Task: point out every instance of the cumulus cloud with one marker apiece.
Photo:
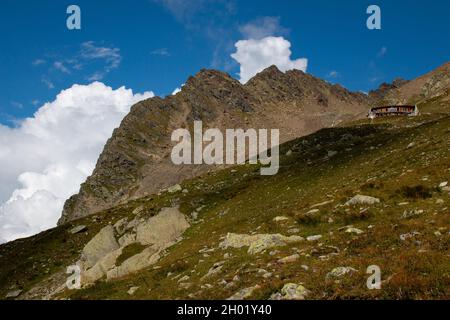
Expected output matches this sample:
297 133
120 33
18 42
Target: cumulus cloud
262 27
46 157
256 55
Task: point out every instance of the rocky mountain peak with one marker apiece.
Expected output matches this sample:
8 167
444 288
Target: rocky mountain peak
205 76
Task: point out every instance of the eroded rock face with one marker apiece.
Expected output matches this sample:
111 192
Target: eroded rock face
258 242
99 257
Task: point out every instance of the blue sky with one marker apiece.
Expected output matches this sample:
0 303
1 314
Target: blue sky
156 44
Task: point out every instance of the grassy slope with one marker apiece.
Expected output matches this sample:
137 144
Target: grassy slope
374 161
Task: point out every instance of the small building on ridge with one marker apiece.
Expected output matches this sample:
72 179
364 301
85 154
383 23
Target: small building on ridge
399 110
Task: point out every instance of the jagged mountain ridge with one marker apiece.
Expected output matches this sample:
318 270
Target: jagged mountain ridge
135 160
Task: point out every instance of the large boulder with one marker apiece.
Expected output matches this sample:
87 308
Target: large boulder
99 256
162 229
103 243
13 294
258 242
340 271
78 229
361 199
291 291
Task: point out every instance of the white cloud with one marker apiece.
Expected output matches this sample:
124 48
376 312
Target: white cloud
262 27
111 57
90 51
382 52
174 92
38 62
46 157
91 60
96 76
256 55
58 65
332 74
47 82
17 105
184 11
163 52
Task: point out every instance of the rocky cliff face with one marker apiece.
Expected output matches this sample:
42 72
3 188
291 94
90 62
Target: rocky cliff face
136 159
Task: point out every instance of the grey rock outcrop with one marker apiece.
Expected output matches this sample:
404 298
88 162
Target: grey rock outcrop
102 244
258 242
99 256
362 200
291 291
